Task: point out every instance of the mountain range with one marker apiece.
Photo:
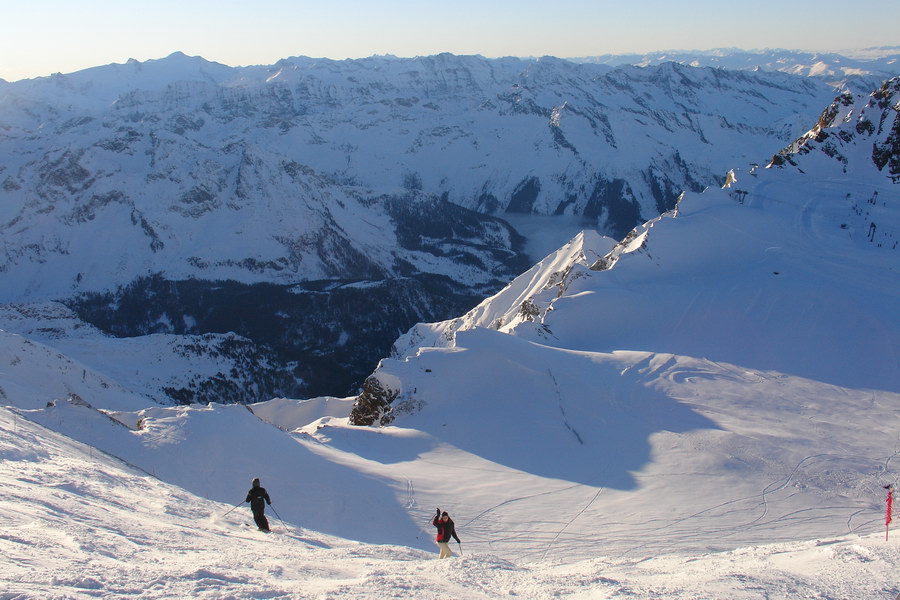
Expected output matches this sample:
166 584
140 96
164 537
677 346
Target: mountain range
858 70
318 208
704 407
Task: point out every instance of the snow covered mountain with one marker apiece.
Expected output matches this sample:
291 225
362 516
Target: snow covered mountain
859 70
535 136
858 134
319 208
840 176
706 408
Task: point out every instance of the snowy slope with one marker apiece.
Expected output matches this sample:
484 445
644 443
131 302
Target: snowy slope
80 524
33 374
727 374
163 368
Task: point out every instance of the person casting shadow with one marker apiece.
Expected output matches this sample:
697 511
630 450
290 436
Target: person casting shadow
258 498
445 530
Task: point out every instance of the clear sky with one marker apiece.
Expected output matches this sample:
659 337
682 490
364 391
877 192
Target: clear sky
40 37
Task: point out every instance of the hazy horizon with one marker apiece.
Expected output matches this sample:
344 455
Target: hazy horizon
851 52
50 36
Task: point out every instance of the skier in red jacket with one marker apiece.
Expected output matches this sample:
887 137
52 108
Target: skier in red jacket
445 530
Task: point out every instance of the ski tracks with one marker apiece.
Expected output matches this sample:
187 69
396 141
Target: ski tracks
509 501
570 521
765 503
410 495
520 499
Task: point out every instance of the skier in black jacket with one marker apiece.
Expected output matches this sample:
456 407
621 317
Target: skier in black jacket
258 498
445 530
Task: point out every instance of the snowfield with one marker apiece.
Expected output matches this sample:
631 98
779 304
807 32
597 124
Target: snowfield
77 523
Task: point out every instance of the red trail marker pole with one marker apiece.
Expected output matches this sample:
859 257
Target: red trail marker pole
889 509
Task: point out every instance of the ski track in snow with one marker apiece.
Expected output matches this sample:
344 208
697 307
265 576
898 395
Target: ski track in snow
570 521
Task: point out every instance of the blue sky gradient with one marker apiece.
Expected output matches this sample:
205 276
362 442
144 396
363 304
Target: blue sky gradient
41 37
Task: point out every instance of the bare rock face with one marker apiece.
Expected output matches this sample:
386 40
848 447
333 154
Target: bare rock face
849 121
373 405
887 152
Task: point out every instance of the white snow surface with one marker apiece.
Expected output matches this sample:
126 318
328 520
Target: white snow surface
145 366
78 523
707 409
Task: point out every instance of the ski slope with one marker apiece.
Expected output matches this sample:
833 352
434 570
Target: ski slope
78 524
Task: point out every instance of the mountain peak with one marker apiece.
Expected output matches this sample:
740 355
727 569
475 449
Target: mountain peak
838 133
